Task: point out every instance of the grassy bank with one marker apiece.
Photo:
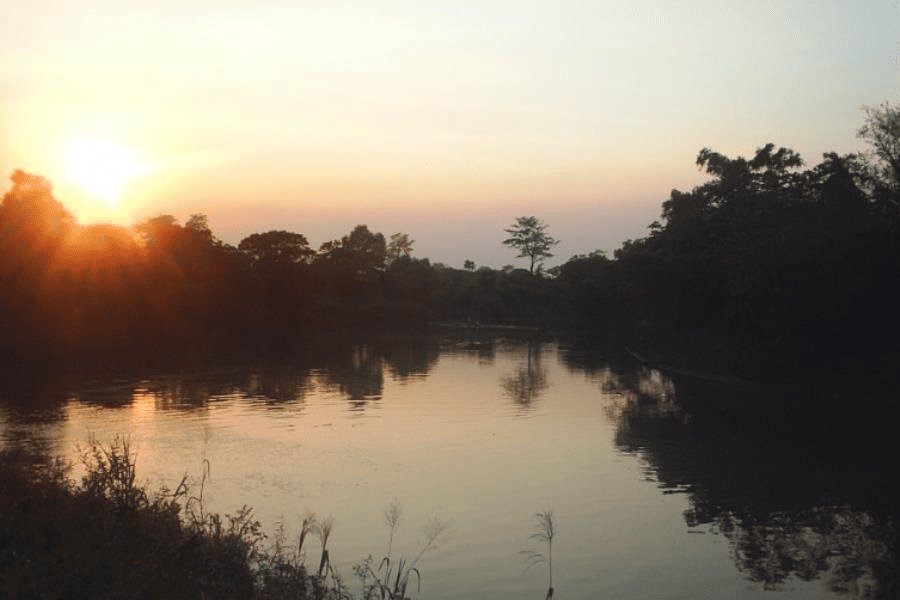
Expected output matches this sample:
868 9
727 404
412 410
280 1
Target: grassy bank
107 536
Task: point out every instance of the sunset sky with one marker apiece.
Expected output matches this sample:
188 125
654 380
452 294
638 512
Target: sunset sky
444 120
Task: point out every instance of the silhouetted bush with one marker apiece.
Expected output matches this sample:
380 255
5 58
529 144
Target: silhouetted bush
109 537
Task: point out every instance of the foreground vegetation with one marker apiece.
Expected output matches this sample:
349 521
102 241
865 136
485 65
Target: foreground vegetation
107 536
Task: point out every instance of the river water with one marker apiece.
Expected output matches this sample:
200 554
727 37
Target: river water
659 487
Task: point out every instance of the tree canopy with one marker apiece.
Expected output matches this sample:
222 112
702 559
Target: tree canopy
527 236
277 247
766 254
399 246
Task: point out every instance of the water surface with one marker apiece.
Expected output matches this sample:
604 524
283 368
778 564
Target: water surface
660 488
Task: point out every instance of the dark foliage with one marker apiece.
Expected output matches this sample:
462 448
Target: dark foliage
766 259
108 537
769 259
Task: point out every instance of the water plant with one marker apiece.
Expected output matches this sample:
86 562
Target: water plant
392 514
390 579
544 534
108 535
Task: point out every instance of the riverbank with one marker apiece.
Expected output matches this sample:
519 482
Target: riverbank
109 537
700 354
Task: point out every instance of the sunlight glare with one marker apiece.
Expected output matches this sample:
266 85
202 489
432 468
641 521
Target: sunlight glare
101 167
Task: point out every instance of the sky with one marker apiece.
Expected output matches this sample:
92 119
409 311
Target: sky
443 120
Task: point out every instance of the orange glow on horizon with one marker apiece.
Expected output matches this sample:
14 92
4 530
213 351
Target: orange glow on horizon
101 169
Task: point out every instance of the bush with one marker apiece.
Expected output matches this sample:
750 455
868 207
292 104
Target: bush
108 537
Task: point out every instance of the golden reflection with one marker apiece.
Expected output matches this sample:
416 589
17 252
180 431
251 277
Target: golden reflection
143 407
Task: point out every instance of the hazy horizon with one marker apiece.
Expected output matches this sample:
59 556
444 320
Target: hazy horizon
442 121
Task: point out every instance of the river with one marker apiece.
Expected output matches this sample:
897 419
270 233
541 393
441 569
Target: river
659 487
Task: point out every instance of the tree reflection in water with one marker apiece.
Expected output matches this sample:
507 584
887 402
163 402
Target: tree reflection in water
358 375
800 484
279 384
529 380
355 371
794 500
411 358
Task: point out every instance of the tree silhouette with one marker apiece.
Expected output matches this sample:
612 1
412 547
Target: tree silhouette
30 210
882 131
276 247
399 246
528 237
362 251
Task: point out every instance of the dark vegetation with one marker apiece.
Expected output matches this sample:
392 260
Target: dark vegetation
765 260
767 263
108 536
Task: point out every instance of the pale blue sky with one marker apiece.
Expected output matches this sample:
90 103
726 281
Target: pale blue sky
444 120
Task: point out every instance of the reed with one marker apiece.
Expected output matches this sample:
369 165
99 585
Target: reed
392 514
545 533
108 535
391 578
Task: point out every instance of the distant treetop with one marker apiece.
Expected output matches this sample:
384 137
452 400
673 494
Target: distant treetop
528 237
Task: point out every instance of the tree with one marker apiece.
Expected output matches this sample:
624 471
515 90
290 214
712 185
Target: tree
198 222
361 252
158 231
399 246
367 250
30 208
882 131
34 228
276 247
528 237
469 265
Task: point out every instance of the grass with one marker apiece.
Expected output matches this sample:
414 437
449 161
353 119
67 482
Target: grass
390 579
544 534
107 536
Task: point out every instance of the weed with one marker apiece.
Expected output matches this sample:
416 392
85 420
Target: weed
544 534
390 579
107 536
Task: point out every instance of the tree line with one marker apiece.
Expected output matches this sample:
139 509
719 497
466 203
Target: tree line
765 255
162 287
767 258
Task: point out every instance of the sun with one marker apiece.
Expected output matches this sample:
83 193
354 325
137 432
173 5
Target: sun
101 168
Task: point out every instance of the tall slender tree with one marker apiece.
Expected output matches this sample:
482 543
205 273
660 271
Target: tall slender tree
528 237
